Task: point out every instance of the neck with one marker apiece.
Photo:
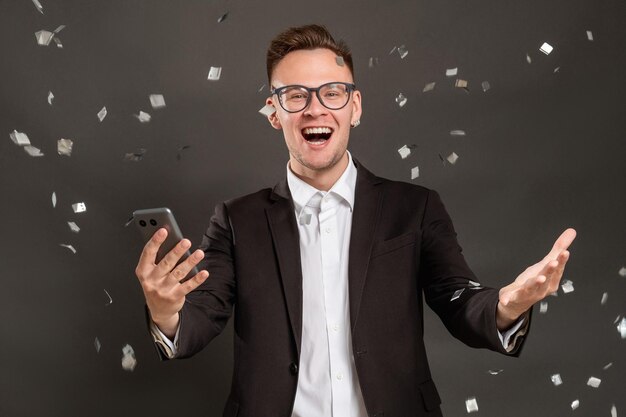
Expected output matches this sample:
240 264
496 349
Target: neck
323 179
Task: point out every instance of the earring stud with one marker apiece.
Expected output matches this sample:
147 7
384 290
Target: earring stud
355 123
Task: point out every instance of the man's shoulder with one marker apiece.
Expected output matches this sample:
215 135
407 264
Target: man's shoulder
257 199
403 188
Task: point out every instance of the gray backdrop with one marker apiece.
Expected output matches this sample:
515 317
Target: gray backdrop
544 149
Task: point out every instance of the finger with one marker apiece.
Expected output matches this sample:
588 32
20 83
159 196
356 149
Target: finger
194 282
182 269
562 243
148 254
169 261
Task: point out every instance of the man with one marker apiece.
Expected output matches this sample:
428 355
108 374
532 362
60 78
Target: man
326 271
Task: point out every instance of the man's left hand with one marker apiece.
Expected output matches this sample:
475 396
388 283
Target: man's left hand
535 283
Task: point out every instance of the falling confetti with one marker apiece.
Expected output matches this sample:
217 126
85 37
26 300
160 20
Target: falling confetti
222 17
402 51
143 117
607 366
267 110
622 272
401 100
19 138
64 147
110 299
157 101
459 83
180 150
590 35
475 285
486 86
261 88
70 247
135 156
543 307
457 133
528 59
339 61
451 72
43 37
373 62
73 227
394 49
575 404
613 411
594 382
54 199
567 286
429 87
556 70
97 344
129 222
50 97
102 114
604 299
305 218
79 207
404 152
215 73
415 172
495 371
546 48
452 158
556 379
38 6
621 328
471 405
32 151
128 360
457 294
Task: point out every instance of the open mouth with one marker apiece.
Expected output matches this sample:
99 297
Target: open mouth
317 135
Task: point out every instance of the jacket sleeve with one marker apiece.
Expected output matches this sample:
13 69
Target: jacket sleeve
467 309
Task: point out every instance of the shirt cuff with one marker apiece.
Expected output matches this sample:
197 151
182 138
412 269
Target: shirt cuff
168 347
509 337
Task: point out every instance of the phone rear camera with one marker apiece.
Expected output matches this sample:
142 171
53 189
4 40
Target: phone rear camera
153 222
142 223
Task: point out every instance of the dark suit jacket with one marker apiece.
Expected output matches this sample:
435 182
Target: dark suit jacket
402 245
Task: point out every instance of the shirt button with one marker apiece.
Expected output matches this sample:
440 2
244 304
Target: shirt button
340 376
328 230
336 327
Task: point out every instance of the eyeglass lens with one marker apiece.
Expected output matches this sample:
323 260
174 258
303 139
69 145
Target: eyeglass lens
332 96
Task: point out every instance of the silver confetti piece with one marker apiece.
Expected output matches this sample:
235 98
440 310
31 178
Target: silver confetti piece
128 360
339 61
495 371
613 411
222 17
32 151
605 297
135 156
401 100
451 72
590 35
622 272
50 97
567 286
70 247
38 6
54 199
157 101
79 207
594 382
403 51
546 48
373 62
556 379
457 294
415 172
457 133
102 114
110 299
305 218
486 86
97 345
73 227
607 366
428 87
261 88
459 83
64 147
44 37
267 110
452 158
404 152
143 117
19 138
528 59
543 307
471 405
215 73
575 404
621 328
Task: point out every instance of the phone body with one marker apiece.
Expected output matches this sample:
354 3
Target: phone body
148 221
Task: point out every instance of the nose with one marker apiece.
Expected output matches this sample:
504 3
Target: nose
315 107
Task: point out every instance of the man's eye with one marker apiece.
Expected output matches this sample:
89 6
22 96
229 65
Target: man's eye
296 96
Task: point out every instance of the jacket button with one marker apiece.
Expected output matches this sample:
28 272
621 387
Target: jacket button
293 368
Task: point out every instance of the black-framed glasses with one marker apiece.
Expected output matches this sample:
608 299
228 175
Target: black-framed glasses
295 98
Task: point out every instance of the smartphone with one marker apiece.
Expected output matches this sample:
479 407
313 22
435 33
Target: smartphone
148 221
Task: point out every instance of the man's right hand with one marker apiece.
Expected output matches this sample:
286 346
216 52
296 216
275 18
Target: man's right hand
165 294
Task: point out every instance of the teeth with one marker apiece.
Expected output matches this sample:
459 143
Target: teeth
317 130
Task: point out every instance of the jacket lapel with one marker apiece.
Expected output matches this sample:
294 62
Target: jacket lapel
367 207
282 223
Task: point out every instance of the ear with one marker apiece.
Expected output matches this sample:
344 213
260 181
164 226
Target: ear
273 118
357 110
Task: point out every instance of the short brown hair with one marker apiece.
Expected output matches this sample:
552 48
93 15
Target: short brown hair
305 37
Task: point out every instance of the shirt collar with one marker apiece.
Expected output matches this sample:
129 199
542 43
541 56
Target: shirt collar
301 192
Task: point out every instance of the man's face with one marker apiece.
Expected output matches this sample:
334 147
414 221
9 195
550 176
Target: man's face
309 154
